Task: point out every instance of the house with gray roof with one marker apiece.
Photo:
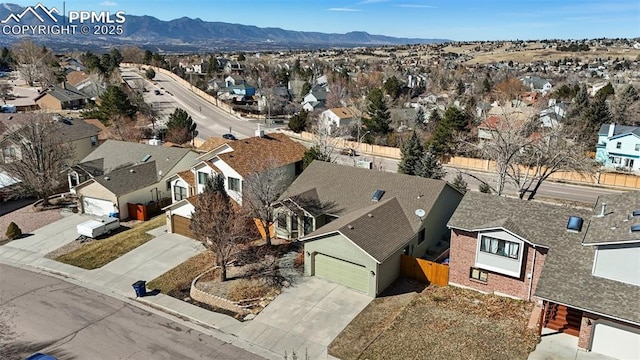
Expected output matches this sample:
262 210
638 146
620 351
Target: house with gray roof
356 223
618 147
61 97
580 266
120 172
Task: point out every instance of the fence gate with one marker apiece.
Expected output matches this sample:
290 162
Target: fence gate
424 271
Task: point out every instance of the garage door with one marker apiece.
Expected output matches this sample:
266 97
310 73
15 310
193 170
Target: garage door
342 272
180 225
616 341
95 206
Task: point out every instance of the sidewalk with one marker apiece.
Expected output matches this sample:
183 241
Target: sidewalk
115 279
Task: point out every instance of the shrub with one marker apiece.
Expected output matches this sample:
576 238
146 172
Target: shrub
248 289
484 188
13 231
150 74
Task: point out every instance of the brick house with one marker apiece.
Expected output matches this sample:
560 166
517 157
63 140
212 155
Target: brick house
581 266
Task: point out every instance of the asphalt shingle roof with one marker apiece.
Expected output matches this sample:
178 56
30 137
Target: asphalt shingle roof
567 274
346 191
618 130
117 154
615 225
63 93
129 179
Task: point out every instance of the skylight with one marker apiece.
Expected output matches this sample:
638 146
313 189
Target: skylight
146 158
377 195
575 224
635 228
636 213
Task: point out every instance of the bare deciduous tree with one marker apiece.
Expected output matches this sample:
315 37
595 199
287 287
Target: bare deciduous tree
221 227
32 60
37 158
262 189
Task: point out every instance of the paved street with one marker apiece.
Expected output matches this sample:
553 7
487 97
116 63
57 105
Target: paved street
71 322
211 120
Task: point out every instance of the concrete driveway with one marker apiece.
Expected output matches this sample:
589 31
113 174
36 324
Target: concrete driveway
559 346
305 318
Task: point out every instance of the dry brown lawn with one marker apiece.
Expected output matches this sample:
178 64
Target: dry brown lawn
443 323
179 278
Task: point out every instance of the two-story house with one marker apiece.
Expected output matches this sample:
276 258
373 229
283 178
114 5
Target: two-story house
619 147
356 223
315 99
342 117
120 172
581 267
235 160
536 83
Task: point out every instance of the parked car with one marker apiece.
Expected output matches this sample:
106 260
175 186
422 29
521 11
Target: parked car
229 137
348 152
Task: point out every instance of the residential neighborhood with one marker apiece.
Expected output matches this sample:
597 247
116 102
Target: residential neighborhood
368 202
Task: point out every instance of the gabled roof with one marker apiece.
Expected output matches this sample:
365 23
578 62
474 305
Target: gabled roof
345 112
346 189
615 226
213 143
188 177
64 93
363 227
618 130
68 129
128 179
247 154
117 154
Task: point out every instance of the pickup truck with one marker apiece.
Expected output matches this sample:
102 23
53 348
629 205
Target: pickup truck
97 227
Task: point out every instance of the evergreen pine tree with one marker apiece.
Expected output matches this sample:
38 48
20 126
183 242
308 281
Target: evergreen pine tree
419 119
429 166
379 120
460 184
411 152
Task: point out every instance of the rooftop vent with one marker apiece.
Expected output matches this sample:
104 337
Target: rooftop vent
377 195
145 158
575 224
635 213
132 170
350 226
604 209
635 228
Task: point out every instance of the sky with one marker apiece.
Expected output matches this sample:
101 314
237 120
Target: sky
460 20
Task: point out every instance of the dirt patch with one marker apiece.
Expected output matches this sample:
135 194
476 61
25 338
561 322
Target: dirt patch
449 322
374 319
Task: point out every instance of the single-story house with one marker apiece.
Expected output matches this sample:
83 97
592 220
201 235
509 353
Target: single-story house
60 97
582 267
356 223
120 172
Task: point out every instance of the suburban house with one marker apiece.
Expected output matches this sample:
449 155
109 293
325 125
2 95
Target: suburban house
342 117
619 147
120 172
234 67
356 223
232 80
581 267
61 97
315 99
235 160
82 136
537 84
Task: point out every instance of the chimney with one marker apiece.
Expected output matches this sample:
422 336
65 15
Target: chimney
612 127
259 132
604 209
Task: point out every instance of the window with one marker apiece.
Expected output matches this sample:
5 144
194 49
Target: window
308 225
477 274
94 140
500 247
202 178
179 192
421 236
637 147
294 222
234 184
618 145
282 221
9 152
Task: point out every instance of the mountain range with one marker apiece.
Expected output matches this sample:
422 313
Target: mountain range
187 34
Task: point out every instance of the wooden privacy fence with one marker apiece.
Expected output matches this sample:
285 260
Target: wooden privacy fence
424 271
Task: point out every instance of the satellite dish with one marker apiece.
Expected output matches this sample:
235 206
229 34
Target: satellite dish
420 213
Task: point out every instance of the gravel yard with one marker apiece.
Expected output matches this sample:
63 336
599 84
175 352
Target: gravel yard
28 219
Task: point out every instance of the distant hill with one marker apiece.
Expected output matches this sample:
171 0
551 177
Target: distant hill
195 34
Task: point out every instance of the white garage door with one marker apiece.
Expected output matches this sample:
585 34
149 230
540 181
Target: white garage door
95 206
616 341
342 272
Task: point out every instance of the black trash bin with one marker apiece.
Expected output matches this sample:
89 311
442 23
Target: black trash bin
140 287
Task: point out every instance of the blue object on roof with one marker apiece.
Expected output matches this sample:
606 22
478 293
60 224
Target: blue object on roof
636 213
575 224
377 195
635 228
41 356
